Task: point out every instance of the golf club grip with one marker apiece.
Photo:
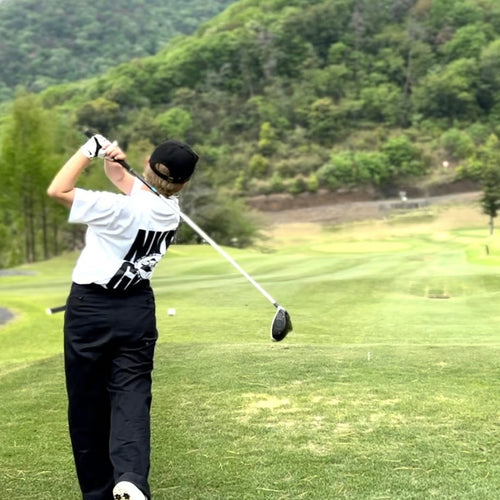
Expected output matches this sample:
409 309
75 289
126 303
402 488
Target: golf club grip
53 310
123 163
128 168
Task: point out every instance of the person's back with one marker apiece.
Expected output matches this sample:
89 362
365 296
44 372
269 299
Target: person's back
127 235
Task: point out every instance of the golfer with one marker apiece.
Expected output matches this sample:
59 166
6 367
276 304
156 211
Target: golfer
110 324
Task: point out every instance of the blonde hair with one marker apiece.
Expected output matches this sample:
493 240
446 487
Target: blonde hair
164 187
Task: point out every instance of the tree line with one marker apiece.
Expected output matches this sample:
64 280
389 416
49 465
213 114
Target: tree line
35 144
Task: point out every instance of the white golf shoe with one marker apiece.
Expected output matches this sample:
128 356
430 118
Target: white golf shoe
125 490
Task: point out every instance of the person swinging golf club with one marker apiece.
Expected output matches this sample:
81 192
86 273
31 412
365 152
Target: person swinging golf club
110 325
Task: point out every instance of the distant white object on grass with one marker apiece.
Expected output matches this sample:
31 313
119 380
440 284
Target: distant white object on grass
171 312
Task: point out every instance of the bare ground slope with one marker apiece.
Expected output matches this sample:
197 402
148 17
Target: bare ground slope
339 213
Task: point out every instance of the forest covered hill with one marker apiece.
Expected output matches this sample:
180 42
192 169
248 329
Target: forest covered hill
50 42
295 95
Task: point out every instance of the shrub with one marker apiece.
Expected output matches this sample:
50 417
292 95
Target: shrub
456 144
404 157
297 185
258 166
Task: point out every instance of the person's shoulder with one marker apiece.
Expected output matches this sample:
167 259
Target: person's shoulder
100 198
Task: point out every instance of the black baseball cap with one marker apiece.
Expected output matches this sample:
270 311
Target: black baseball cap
178 157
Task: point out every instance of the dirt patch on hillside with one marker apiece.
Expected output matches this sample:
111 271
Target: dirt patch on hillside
349 211
341 206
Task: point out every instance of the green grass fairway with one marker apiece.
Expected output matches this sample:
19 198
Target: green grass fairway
388 387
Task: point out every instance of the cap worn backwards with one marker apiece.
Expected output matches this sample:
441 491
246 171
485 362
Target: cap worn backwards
178 157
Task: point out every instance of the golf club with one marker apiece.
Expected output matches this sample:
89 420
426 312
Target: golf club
281 324
53 310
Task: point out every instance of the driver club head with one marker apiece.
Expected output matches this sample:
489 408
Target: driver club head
281 325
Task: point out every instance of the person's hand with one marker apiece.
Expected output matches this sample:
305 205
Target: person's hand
114 153
96 146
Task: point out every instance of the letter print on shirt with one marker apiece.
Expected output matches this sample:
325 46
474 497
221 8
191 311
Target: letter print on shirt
139 263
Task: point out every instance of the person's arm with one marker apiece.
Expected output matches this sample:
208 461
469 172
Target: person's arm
62 187
122 179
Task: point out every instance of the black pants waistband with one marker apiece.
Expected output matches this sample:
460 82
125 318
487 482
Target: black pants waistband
139 287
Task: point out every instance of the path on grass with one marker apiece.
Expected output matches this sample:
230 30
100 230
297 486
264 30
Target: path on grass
5 314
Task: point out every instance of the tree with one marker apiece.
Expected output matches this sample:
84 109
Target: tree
490 198
403 156
321 24
47 42
100 114
449 93
489 159
26 168
226 219
384 103
467 42
324 120
457 144
267 139
258 166
453 13
489 76
175 123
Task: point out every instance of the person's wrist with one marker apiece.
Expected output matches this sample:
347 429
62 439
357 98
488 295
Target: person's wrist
85 156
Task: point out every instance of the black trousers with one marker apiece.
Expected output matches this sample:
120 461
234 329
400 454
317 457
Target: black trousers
109 343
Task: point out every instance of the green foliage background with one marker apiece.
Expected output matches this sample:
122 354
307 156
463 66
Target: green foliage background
280 90
297 96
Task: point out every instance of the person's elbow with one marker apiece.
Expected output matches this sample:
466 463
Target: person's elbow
63 197
52 192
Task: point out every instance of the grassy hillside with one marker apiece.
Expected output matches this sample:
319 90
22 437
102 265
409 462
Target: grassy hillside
387 388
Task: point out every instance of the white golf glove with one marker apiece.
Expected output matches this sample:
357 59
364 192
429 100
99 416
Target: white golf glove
95 147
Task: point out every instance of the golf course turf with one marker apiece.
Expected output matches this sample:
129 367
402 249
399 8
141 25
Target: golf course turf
387 388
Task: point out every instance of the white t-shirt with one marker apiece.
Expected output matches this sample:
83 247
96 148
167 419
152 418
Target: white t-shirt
126 237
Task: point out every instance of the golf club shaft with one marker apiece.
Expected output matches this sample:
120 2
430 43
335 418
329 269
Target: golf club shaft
215 246
202 233
196 228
